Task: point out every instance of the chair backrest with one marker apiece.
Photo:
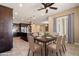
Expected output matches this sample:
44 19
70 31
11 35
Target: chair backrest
55 34
58 43
63 39
35 34
41 33
31 42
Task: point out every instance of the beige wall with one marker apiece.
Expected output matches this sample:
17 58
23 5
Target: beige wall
42 27
66 12
38 28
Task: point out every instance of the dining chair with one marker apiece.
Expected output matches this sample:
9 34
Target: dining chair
63 44
55 47
33 47
41 33
54 34
35 34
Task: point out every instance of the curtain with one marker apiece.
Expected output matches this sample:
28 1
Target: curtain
70 28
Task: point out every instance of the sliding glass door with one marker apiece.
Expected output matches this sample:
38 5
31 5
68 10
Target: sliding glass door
65 25
62 25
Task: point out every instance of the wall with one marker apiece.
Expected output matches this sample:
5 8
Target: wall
38 28
67 12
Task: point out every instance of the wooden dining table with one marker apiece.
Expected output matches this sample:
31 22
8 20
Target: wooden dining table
45 40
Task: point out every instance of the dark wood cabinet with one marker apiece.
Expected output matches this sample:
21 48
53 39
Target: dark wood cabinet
16 30
23 29
6 38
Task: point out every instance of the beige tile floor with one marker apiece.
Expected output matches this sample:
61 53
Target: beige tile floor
20 48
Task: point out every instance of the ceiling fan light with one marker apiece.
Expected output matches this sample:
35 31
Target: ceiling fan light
16 13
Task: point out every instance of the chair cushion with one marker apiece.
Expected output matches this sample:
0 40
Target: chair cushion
53 46
36 46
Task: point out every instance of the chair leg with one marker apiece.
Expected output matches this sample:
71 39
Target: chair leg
47 51
41 51
60 52
57 53
52 52
63 49
28 51
33 53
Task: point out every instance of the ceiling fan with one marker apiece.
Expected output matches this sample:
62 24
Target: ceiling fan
46 6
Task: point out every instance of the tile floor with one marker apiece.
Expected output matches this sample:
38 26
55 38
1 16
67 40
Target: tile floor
20 48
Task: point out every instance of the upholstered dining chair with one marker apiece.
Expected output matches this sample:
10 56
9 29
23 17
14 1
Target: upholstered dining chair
33 47
41 34
55 47
63 44
54 34
35 34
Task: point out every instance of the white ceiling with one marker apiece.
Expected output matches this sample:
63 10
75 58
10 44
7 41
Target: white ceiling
28 10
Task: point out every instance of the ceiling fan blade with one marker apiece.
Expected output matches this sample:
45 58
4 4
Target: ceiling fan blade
46 10
53 8
44 4
41 9
50 4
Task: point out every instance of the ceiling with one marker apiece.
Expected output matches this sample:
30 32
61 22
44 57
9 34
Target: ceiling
24 12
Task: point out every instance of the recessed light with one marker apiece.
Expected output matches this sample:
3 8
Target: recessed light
16 13
20 4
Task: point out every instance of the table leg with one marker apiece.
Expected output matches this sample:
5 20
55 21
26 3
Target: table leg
45 49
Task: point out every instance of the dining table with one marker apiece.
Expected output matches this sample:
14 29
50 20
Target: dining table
45 40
